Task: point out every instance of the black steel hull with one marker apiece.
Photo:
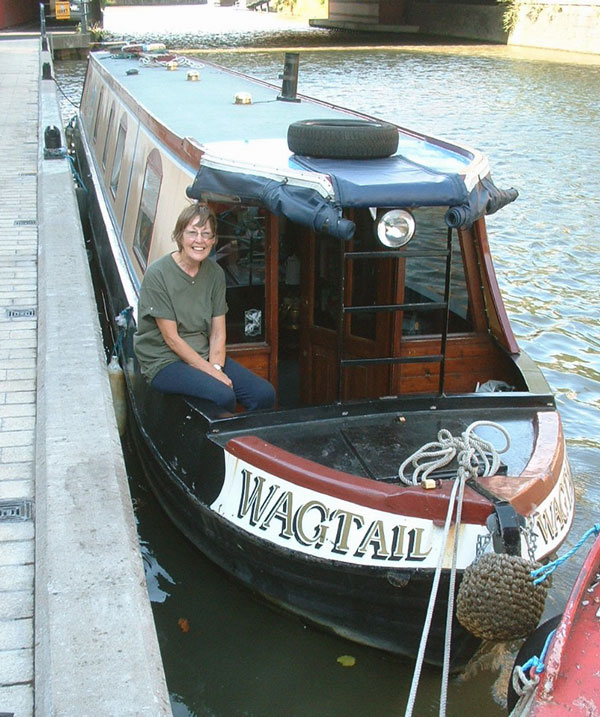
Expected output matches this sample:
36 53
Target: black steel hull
379 607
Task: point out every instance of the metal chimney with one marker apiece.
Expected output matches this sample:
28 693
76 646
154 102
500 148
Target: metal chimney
290 78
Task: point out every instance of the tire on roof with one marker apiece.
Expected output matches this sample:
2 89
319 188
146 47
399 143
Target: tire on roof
343 138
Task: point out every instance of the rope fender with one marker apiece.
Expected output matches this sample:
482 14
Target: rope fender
498 598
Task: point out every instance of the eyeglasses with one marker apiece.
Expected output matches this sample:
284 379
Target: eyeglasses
193 234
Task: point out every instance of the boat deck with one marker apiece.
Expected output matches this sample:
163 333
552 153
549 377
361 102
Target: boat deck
374 445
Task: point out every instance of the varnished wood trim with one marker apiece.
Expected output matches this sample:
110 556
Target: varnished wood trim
501 325
540 475
401 500
272 293
473 280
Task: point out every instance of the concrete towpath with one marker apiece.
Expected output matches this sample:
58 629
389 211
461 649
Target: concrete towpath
76 630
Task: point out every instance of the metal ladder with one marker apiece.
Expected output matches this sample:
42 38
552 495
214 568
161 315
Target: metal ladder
345 310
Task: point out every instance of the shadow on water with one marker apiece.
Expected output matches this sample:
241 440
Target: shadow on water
537 118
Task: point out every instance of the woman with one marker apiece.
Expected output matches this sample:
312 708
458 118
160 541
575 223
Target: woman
181 336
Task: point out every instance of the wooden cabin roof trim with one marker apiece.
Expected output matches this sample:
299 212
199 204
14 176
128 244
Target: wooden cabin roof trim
501 326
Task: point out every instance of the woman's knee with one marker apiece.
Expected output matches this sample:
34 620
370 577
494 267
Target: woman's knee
264 394
224 397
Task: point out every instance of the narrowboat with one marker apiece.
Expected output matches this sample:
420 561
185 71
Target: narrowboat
360 283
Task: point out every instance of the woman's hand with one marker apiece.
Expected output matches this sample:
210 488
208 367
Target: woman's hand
220 376
168 330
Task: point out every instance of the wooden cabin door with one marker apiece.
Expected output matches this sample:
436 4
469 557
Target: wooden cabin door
326 335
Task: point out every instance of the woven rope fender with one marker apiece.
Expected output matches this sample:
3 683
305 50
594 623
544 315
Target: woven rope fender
497 599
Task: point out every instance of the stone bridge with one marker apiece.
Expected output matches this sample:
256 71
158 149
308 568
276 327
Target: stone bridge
571 25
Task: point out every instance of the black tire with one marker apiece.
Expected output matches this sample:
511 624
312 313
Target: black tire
532 647
343 138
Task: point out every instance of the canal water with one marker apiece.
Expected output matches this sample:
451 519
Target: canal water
536 115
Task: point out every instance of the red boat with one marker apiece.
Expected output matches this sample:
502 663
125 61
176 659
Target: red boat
569 679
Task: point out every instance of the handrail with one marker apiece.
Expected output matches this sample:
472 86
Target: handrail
425 358
429 306
379 308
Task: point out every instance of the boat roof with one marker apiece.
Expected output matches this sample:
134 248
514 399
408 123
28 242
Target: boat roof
245 153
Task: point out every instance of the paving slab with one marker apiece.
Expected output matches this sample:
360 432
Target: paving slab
76 630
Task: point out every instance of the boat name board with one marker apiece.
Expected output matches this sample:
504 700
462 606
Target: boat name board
552 519
327 527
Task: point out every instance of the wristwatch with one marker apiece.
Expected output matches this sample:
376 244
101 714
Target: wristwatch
218 366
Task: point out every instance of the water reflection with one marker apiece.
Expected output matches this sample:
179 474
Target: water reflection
535 115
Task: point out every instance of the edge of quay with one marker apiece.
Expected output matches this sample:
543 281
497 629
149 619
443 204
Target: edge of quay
96 649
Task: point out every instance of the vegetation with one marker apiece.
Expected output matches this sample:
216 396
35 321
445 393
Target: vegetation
97 32
511 14
302 8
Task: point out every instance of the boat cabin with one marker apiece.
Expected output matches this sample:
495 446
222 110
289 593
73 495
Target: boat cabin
324 318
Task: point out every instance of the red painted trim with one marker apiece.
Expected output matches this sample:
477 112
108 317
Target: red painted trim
412 501
570 681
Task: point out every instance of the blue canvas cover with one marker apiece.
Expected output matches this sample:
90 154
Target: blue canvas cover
384 183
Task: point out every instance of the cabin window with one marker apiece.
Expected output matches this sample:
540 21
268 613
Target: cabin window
89 100
425 277
363 279
241 253
147 211
107 138
98 115
417 276
118 158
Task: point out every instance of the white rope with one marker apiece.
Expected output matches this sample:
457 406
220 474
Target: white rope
524 687
440 453
429 615
177 60
473 451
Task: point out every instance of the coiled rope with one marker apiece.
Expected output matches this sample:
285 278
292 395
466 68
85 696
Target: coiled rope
473 453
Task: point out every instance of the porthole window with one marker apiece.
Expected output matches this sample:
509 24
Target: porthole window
147 212
98 115
107 137
118 158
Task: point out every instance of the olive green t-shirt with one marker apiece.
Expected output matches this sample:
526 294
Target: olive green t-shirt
167 292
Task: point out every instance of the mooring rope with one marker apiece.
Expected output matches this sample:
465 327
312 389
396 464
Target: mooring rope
472 451
432 598
542 573
437 454
525 678
524 682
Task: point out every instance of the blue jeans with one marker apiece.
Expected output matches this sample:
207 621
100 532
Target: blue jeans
250 390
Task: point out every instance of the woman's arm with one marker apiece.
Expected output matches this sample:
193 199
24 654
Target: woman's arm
217 340
168 330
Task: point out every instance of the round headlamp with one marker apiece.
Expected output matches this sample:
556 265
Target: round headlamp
396 228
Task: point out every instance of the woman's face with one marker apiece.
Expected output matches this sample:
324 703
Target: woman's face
197 241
